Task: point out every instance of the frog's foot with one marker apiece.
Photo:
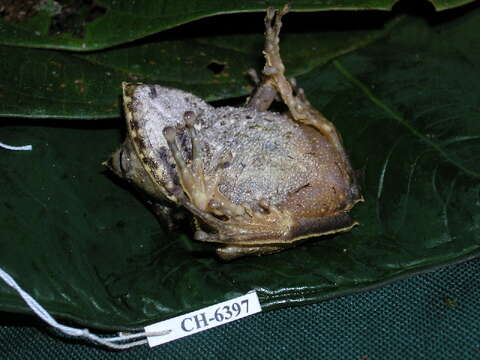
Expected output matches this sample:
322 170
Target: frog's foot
200 189
264 226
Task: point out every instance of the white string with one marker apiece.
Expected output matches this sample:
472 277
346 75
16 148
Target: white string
10 147
109 342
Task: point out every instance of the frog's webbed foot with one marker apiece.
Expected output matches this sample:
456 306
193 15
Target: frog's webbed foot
255 228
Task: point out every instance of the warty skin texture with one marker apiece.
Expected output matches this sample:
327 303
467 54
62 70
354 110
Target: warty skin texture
255 181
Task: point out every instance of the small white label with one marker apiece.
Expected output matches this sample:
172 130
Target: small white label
203 319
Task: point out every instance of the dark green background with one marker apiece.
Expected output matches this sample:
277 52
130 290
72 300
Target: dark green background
402 89
429 316
114 22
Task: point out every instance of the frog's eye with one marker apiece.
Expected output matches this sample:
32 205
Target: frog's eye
118 164
123 162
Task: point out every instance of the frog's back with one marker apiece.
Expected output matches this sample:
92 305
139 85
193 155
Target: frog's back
272 158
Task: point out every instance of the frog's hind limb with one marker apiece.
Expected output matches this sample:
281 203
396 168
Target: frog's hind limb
294 97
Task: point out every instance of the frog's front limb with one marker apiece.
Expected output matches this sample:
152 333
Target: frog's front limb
237 225
201 189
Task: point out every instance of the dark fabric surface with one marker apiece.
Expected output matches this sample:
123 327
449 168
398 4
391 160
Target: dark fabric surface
429 316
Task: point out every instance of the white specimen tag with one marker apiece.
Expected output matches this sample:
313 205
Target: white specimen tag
203 319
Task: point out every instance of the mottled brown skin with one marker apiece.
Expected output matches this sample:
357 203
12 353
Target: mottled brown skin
256 182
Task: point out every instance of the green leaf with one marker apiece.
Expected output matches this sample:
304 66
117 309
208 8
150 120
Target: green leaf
407 107
50 84
81 25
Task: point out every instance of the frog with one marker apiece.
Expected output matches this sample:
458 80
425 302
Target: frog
255 181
